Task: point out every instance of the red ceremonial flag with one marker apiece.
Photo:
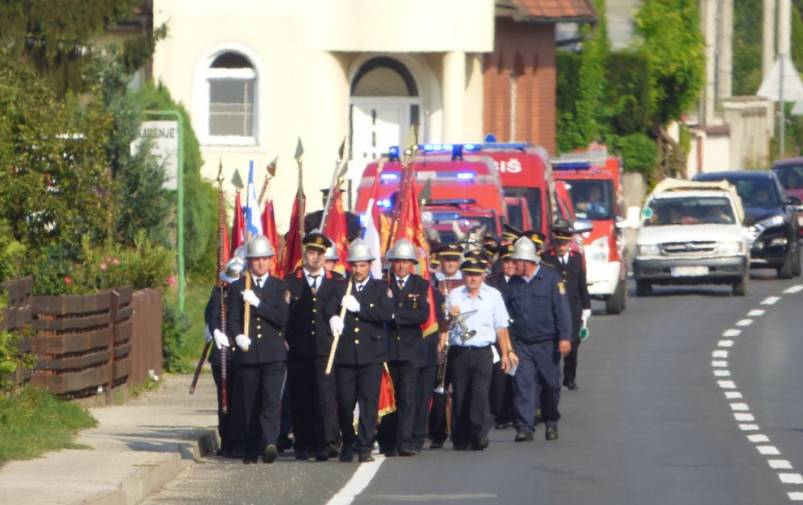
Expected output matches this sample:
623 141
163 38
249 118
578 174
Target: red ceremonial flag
291 254
269 230
336 229
237 225
410 227
387 396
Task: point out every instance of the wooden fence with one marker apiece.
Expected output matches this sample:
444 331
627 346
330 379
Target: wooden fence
84 345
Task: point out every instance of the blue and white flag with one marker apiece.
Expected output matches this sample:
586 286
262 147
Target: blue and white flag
253 221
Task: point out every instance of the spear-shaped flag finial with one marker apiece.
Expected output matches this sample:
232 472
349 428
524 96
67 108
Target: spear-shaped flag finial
411 140
271 168
299 150
341 152
236 180
220 171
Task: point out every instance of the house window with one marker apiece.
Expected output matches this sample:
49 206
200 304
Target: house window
232 82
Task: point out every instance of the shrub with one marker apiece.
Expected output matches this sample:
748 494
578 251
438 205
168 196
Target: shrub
638 151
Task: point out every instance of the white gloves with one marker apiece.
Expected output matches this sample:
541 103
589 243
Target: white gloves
207 335
221 340
586 315
251 298
351 303
336 325
242 342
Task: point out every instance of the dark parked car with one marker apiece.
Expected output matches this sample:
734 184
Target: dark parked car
770 218
790 173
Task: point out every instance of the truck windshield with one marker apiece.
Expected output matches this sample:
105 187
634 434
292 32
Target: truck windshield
440 228
791 176
592 199
533 197
690 210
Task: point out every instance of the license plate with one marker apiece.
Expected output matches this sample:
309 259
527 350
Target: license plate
689 271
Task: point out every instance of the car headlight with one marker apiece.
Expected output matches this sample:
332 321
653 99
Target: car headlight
649 250
730 248
598 250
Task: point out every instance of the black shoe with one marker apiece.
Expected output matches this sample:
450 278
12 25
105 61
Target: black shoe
503 425
524 436
436 443
459 447
250 460
366 457
406 453
551 433
283 443
302 454
269 454
346 456
570 384
480 444
332 449
322 455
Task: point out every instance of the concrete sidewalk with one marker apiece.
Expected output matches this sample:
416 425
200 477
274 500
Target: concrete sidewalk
136 449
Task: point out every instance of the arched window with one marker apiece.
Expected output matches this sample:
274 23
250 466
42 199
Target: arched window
232 84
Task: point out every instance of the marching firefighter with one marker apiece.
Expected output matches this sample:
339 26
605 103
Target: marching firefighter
501 382
330 259
571 265
258 310
361 350
479 320
313 301
406 348
222 348
541 335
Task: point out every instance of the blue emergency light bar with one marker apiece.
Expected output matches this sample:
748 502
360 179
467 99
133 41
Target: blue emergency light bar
393 153
457 150
571 165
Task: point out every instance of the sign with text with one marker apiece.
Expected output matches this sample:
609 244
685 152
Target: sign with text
164 145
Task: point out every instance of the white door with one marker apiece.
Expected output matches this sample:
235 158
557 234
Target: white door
376 125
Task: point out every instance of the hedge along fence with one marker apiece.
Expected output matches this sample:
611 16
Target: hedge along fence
84 344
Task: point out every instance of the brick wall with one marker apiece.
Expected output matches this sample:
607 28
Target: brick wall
526 51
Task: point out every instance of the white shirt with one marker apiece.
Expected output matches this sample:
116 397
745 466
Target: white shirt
454 277
401 282
316 282
259 282
491 315
359 285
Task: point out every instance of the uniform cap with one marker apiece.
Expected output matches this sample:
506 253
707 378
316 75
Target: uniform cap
506 252
473 266
259 247
562 230
316 241
450 250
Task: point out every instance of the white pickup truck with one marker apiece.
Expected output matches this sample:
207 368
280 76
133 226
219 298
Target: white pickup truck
691 233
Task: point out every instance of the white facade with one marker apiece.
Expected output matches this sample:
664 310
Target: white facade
257 75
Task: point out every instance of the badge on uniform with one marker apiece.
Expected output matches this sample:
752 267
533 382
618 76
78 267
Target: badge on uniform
562 288
390 294
413 300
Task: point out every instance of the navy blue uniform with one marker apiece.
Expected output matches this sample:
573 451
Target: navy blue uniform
501 382
212 318
540 318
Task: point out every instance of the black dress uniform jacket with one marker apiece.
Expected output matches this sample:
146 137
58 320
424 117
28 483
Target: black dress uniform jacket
267 322
364 340
308 332
411 309
212 319
573 273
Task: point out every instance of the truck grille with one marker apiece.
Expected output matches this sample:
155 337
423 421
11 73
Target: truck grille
688 248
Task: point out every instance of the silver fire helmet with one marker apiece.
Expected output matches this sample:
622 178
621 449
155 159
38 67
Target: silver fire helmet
524 249
359 251
331 254
403 249
241 251
234 268
259 247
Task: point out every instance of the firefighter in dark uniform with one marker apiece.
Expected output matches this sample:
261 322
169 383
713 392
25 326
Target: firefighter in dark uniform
214 332
312 221
361 351
501 382
446 279
571 265
313 301
541 333
406 348
260 360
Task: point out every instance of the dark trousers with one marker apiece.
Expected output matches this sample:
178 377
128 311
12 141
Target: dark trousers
396 429
224 421
358 384
539 367
570 361
313 403
258 403
470 374
424 386
501 395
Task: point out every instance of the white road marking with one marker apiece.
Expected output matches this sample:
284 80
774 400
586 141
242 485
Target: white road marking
770 300
758 438
358 482
780 464
430 497
748 427
794 289
756 313
740 407
742 417
768 450
722 373
725 343
733 332
719 353
726 384
733 395
795 496
719 363
791 478
744 322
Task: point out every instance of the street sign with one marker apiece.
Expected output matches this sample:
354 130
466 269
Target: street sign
164 145
792 89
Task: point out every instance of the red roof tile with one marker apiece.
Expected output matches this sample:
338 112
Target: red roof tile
548 10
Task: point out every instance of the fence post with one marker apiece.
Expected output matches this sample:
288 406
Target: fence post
113 308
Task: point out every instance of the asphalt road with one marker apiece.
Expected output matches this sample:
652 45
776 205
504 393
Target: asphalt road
650 424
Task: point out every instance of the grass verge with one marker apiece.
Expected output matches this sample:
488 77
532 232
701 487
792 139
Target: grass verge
33 422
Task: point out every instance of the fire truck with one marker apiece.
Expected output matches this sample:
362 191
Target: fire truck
594 180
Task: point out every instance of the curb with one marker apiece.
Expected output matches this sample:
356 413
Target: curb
151 478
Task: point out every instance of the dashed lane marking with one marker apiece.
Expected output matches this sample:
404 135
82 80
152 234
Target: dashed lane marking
722 373
431 497
758 438
740 407
794 289
748 427
743 417
795 496
725 343
731 333
719 353
756 313
733 395
780 464
770 300
744 322
768 450
719 363
726 384
791 478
